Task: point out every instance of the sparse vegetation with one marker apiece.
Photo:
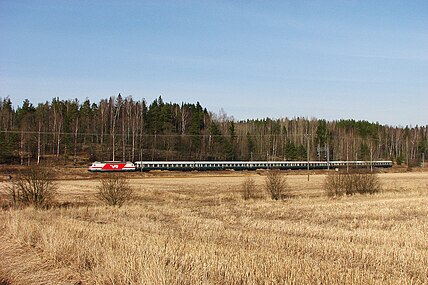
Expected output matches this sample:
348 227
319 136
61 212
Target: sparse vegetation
114 190
356 182
35 186
276 185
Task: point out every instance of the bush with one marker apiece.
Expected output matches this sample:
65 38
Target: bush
114 190
361 182
335 184
35 186
248 188
367 183
276 185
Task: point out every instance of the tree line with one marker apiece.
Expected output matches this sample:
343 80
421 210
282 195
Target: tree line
121 128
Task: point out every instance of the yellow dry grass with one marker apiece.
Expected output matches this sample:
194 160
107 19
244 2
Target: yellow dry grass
196 229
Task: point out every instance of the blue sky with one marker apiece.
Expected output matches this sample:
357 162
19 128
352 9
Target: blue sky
363 60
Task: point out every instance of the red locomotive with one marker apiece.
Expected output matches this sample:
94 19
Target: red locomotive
112 166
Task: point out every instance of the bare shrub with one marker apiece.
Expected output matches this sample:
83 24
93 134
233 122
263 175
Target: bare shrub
361 182
114 190
334 184
248 188
367 183
276 185
35 186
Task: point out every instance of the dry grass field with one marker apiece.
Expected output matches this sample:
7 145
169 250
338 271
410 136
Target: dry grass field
195 228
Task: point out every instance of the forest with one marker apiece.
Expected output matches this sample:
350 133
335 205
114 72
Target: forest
121 128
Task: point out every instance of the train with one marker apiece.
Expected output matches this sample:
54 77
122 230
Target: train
120 166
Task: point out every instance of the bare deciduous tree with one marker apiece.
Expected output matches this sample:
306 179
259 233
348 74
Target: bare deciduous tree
35 186
276 185
114 190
